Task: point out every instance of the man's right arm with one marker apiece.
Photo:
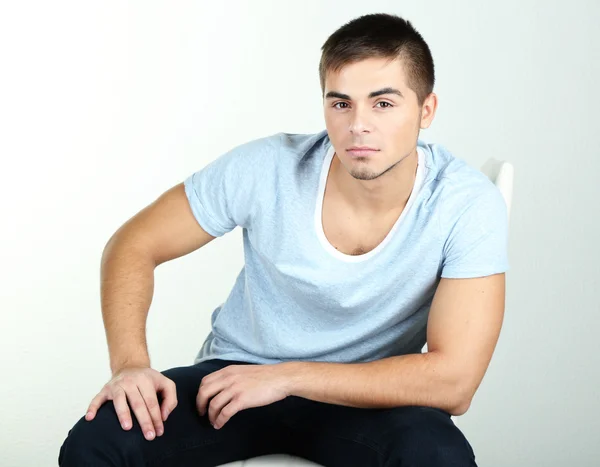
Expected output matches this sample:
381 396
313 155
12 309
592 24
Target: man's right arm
164 230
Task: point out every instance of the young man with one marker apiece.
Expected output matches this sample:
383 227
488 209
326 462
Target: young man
362 243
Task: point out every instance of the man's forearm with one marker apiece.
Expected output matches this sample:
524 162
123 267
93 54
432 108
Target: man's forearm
127 286
414 379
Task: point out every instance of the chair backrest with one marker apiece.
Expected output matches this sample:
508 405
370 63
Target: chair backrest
502 174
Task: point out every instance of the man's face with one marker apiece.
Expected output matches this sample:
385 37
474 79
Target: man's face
387 122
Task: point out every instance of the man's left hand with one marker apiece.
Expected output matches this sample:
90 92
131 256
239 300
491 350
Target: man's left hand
238 387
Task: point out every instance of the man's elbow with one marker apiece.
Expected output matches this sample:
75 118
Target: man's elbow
460 408
459 389
462 402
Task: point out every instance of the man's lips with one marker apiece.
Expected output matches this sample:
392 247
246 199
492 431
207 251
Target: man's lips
361 152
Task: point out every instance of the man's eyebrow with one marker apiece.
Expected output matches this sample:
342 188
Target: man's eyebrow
339 95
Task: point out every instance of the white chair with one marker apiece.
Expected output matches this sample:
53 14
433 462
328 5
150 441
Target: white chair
502 174
499 172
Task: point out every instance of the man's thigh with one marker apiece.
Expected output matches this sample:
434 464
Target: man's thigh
411 436
188 439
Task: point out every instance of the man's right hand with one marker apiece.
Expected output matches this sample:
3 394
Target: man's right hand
138 386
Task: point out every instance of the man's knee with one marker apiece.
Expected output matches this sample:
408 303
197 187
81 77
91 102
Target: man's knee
427 436
101 442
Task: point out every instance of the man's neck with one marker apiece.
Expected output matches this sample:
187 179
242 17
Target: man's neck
385 194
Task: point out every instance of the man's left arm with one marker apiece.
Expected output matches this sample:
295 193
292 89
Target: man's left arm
462 331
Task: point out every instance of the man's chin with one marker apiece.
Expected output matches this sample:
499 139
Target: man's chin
364 175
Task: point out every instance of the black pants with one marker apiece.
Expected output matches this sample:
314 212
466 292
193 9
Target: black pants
328 434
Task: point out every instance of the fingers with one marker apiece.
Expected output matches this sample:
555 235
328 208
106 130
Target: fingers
121 408
226 413
217 404
169 393
148 393
205 393
97 401
140 409
136 390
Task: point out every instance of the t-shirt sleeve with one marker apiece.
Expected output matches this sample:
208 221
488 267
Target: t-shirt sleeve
224 193
477 243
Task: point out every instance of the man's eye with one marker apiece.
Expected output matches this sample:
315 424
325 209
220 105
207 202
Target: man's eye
387 104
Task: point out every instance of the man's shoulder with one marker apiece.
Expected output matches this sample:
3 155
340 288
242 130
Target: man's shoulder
454 174
302 143
276 147
455 184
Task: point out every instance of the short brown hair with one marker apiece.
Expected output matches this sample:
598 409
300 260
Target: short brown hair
380 35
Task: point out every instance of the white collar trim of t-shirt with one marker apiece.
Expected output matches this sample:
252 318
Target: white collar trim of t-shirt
319 208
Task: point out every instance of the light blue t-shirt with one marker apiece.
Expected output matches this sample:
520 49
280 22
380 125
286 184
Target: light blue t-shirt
299 298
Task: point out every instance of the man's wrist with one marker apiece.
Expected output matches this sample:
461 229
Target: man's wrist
139 362
293 375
